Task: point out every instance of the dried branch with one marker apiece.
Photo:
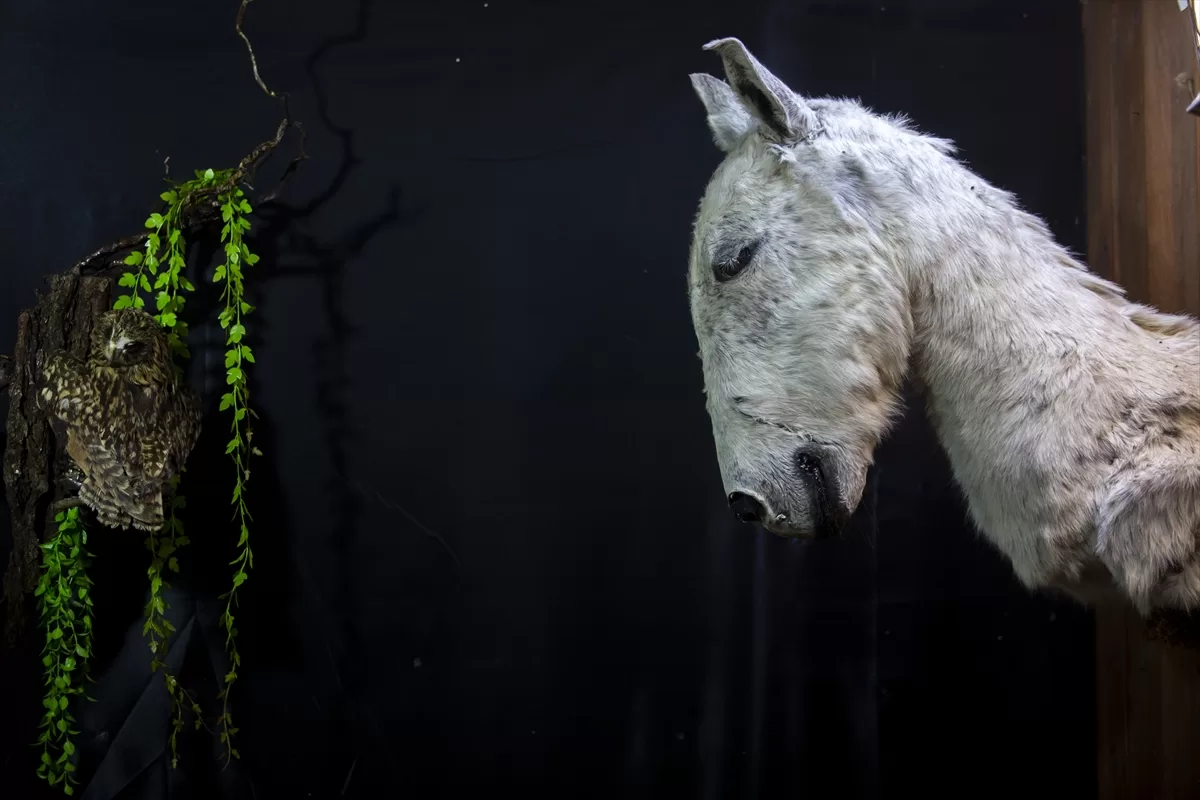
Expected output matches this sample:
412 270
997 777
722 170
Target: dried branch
253 60
203 208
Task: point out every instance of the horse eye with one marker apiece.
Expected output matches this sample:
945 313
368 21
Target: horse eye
728 270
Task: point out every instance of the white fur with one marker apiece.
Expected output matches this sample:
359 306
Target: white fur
1071 416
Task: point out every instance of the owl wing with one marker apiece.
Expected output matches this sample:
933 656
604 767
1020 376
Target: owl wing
66 390
162 451
108 448
185 416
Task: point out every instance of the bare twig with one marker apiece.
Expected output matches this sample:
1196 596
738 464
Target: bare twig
253 60
202 207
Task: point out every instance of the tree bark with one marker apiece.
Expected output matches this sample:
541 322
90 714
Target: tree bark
61 320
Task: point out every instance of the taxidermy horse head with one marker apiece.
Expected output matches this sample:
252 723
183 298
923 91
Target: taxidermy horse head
837 252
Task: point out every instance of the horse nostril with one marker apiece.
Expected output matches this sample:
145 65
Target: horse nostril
746 508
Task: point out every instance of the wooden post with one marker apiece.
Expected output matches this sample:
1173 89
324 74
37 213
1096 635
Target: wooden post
1143 201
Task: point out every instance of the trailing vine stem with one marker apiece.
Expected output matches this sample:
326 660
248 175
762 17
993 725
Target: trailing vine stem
168 284
167 268
66 615
234 211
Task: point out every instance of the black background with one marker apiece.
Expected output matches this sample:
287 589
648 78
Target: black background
472 314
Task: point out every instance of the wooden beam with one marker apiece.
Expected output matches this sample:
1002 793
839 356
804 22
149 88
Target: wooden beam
1143 178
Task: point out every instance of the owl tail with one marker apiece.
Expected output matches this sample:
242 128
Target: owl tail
118 508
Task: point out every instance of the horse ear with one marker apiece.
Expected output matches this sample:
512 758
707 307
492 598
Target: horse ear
727 117
784 115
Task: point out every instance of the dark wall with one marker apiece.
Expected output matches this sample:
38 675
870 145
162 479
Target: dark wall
492 550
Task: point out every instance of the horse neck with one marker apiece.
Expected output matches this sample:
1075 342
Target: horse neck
1013 337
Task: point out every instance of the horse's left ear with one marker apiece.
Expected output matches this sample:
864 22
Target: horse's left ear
784 116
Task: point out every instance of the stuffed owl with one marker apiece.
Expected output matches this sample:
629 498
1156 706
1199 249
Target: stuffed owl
127 420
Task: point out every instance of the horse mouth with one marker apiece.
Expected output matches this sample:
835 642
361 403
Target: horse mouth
827 520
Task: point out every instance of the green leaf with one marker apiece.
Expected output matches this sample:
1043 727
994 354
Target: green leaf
251 259
168 319
231 357
173 564
236 333
56 633
174 236
63 702
138 302
186 284
146 284
169 196
39 591
247 353
163 279
134 258
60 682
236 373
62 725
233 445
226 401
128 280
80 651
240 414
208 174
47 661
68 790
69 664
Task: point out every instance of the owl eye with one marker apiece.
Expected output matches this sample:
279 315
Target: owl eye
134 349
731 268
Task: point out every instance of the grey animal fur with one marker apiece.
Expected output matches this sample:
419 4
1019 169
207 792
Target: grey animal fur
1070 415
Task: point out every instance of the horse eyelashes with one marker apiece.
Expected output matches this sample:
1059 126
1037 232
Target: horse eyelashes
728 270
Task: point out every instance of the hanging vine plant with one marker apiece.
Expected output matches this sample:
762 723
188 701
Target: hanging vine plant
148 269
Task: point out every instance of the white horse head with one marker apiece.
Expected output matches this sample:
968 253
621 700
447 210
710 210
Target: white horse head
835 250
797 294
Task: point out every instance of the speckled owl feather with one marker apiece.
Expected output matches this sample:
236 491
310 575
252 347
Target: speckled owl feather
127 420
